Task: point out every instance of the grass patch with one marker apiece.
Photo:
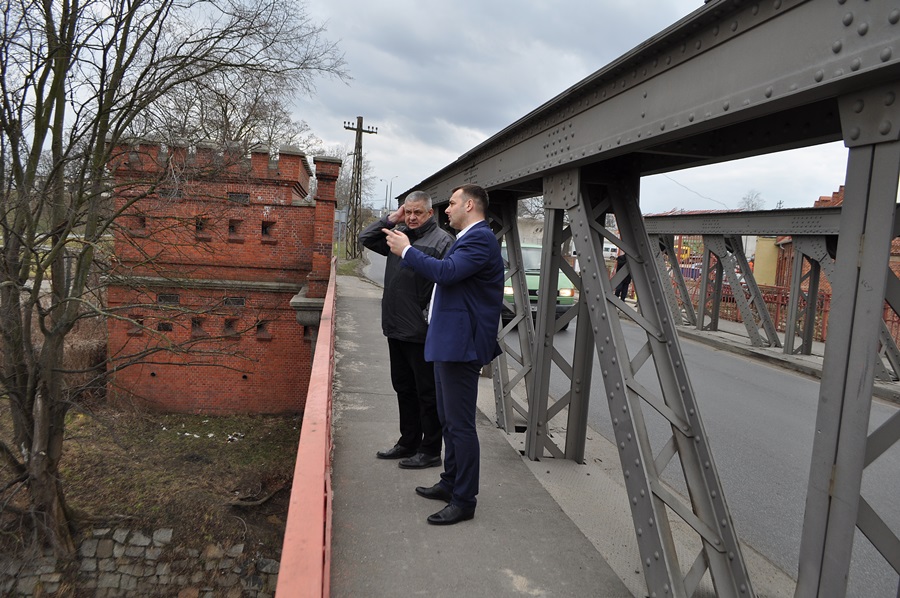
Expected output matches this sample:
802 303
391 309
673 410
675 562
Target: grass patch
146 471
350 267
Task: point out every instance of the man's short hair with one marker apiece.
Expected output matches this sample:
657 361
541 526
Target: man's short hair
419 196
475 193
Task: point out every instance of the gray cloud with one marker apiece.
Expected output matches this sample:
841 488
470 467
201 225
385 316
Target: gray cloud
437 78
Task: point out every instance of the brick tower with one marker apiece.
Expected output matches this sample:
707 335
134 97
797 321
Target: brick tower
211 248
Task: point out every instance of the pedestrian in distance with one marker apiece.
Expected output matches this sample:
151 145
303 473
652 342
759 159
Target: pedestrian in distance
404 307
462 337
622 289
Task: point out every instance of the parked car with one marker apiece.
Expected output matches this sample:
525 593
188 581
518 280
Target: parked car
531 262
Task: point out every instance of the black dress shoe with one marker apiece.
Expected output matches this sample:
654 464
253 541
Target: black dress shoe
420 461
436 492
451 514
397 452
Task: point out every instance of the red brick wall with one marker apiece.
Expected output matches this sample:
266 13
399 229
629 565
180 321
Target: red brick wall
231 239
229 365
233 342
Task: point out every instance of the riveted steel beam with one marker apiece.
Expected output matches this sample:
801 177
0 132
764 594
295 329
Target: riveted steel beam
546 412
798 221
652 502
677 294
671 104
752 307
517 337
833 504
810 252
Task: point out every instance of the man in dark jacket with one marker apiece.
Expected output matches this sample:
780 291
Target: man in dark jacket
404 311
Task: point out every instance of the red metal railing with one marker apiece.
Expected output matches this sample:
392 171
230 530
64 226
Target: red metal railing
776 300
306 553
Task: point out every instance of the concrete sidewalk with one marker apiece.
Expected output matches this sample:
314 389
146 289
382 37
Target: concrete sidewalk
520 543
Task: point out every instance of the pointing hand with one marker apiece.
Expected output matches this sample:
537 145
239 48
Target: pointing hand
396 240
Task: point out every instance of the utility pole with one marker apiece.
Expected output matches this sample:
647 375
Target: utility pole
354 224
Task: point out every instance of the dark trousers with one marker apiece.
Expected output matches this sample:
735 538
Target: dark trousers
622 289
457 395
413 381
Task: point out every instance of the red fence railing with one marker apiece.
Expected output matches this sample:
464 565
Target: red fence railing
776 300
306 553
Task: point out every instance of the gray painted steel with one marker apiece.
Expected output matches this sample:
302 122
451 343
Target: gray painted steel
653 502
833 503
721 84
516 338
797 221
811 251
677 295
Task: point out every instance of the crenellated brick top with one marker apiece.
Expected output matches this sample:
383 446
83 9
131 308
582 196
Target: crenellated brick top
143 160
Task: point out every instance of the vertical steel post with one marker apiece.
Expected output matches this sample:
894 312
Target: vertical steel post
840 453
651 499
802 305
517 337
537 438
710 301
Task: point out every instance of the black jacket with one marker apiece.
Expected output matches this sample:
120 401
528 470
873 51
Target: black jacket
406 294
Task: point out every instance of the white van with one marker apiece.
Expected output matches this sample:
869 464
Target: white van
610 251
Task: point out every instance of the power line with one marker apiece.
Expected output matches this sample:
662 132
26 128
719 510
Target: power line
696 193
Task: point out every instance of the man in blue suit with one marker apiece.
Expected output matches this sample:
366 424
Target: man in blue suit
462 337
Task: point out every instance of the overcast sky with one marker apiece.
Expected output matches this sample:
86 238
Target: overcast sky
438 77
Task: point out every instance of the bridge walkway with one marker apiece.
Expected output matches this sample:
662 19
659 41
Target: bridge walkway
550 528
520 543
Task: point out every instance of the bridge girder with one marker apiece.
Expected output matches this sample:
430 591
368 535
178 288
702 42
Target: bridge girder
716 86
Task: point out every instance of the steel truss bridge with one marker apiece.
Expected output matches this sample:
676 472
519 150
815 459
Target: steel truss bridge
734 79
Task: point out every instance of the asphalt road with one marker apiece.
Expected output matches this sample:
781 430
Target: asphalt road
760 421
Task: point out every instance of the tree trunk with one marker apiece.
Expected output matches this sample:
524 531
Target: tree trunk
48 506
47 500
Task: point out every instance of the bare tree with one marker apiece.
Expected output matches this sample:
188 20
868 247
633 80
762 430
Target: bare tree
531 207
752 201
77 79
227 107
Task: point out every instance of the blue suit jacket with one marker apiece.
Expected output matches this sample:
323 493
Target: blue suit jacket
468 297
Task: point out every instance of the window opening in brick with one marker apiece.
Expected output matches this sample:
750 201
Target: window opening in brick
168 299
164 327
202 229
235 301
234 231
241 198
267 238
231 327
263 332
197 329
137 325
